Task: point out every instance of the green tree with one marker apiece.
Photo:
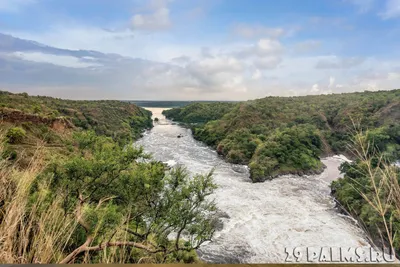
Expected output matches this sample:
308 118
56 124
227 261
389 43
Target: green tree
113 193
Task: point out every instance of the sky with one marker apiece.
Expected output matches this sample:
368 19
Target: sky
198 49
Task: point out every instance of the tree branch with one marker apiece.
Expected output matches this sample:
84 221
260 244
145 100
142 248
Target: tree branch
101 201
85 248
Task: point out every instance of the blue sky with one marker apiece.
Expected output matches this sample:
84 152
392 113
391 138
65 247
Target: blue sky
198 49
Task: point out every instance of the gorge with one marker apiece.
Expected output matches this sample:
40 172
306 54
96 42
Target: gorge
259 220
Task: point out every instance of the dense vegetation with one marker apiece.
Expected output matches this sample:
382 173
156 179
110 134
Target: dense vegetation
166 104
278 135
370 191
73 188
120 120
29 120
199 112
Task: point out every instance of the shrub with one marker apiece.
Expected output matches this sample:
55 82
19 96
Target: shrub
9 154
15 135
369 190
37 109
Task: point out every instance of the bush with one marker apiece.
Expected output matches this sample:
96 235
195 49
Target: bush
369 190
292 150
37 109
114 182
9 154
15 135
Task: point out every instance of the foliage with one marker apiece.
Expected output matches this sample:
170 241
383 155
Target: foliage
199 112
291 150
370 190
15 135
118 193
120 120
243 132
91 197
124 204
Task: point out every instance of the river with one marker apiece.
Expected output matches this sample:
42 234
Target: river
264 218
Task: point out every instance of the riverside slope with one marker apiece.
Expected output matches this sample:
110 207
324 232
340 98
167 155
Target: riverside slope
263 218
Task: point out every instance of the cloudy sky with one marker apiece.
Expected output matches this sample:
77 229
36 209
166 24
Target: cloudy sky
198 49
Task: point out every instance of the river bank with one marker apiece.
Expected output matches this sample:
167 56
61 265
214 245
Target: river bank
261 219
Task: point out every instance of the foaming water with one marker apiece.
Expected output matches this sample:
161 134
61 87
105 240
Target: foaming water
260 219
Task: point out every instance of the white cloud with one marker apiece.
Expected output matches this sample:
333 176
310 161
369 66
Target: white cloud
372 81
267 46
256 75
267 62
392 9
331 81
159 20
393 76
307 46
182 60
14 5
218 77
156 18
263 48
123 41
77 37
217 65
315 88
231 71
65 61
256 31
335 62
235 83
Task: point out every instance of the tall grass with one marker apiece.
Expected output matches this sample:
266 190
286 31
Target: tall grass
35 228
382 194
31 231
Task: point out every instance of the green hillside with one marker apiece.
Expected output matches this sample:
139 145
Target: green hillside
106 117
280 135
51 122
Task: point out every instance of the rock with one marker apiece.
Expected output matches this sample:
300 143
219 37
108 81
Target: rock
239 168
179 136
218 225
222 214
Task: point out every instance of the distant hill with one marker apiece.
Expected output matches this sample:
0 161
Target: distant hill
168 104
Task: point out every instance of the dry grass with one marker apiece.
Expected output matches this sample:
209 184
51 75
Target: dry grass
383 194
36 229
30 232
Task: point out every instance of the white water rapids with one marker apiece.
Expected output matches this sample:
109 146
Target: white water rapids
263 218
